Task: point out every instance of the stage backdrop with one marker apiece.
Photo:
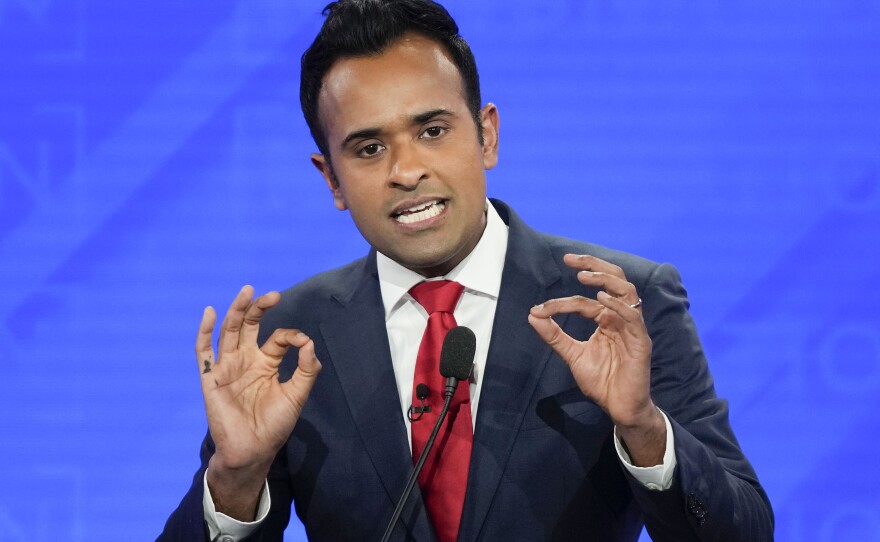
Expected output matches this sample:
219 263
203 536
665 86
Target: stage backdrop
153 159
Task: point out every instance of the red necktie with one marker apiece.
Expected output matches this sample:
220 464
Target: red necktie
444 476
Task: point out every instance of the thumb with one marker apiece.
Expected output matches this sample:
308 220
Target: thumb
305 375
550 332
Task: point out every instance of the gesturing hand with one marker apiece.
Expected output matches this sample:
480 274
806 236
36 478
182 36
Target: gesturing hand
612 367
250 413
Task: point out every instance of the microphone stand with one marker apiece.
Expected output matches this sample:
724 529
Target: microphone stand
451 384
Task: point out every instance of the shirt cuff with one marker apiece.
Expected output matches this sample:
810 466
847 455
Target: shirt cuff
658 477
226 529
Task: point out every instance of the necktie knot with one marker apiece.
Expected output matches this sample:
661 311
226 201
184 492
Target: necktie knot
437 295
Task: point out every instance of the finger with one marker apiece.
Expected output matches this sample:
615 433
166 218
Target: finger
587 262
599 273
234 317
620 307
550 332
281 340
614 285
627 322
250 327
204 351
588 308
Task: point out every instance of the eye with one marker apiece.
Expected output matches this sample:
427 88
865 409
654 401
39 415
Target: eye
433 132
370 150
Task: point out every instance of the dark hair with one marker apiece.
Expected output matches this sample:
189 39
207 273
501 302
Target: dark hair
367 27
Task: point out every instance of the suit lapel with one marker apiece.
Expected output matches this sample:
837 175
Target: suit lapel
515 362
357 341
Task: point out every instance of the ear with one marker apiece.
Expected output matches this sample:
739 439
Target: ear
323 165
489 119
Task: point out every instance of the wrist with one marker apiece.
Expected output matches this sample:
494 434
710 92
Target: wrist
644 438
236 491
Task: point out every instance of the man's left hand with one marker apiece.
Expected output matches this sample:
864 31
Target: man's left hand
613 366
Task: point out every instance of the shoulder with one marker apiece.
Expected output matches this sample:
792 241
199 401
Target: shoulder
637 269
526 243
305 304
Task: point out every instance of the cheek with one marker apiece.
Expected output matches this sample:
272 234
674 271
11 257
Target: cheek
365 212
351 192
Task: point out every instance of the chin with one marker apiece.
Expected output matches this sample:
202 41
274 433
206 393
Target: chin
430 266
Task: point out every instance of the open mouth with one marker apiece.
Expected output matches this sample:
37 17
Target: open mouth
420 212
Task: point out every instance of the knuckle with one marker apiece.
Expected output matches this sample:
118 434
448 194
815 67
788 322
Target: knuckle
252 319
550 305
593 263
586 261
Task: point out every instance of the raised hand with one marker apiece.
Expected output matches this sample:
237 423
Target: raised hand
250 413
612 367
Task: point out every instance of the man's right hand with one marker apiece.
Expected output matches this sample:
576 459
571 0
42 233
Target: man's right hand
250 413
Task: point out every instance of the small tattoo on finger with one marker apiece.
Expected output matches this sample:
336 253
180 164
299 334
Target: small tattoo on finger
207 367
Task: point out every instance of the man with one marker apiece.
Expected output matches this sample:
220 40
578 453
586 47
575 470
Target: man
580 427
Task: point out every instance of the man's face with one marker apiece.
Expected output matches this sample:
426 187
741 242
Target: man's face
406 159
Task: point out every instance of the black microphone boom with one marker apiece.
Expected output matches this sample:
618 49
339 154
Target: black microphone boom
456 363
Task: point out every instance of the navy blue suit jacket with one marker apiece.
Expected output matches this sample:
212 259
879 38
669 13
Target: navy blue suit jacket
543 465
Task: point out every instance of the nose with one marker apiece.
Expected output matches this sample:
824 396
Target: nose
408 168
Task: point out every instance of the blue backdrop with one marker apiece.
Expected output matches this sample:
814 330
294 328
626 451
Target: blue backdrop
153 159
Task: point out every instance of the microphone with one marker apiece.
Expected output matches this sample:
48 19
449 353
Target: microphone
456 363
422 394
457 357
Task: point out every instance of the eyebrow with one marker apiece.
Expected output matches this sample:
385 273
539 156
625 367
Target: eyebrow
430 115
368 133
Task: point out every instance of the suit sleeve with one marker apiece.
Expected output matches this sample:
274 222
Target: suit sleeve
187 522
715 494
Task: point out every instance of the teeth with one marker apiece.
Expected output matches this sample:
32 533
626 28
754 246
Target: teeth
419 207
422 212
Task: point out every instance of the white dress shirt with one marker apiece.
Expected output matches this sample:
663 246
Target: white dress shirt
406 320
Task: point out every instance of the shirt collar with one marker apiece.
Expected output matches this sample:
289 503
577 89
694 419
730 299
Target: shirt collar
479 272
